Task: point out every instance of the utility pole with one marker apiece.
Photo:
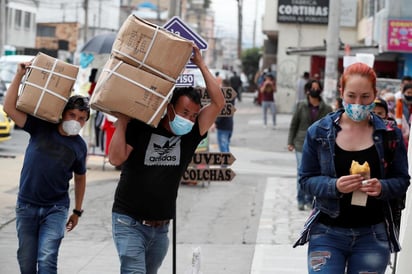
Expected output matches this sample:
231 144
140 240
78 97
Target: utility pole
332 52
3 22
239 28
86 20
254 23
175 8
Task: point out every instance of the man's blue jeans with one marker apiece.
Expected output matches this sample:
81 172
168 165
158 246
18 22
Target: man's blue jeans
223 139
302 197
360 250
40 231
141 248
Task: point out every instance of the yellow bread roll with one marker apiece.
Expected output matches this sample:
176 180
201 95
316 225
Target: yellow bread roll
363 169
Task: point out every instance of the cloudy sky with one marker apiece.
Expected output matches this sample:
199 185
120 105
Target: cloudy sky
226 20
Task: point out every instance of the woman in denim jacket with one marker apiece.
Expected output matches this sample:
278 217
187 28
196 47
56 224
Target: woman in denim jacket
342 236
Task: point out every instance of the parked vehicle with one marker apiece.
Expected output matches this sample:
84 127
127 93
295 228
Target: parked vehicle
6 126
8 68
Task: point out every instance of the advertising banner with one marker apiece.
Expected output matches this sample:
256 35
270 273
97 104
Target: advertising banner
400 35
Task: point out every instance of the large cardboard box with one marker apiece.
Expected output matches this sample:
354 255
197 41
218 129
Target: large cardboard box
131 91
152 48
46 87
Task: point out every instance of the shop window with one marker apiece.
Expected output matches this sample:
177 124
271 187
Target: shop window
17 19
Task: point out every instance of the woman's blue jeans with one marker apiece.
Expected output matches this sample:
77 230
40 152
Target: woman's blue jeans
40 231
359 250
141 248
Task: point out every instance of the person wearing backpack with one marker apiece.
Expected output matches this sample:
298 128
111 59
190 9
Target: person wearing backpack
343 236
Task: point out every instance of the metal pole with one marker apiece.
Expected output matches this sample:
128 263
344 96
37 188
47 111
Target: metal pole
172 8
174 242
332 52
239 29
3 22
86 20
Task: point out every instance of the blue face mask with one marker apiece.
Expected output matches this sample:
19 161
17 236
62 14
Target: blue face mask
358 112
180 125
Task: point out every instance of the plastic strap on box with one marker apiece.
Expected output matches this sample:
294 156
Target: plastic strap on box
44 89
165 76
113 72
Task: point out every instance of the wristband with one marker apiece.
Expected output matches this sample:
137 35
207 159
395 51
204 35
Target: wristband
78 212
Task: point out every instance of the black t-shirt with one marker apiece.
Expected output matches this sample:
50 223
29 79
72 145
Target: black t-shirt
150 177
352 215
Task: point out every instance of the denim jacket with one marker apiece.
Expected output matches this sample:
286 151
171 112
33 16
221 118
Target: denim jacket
318 175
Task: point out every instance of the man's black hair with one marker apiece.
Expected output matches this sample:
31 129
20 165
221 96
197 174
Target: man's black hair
192 93
78 102
308 85
406 78
405 87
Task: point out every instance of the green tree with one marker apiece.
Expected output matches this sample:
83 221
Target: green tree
250 63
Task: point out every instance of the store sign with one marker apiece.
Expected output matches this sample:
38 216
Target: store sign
208 174
229 93
303 11
213 158
400 35
210 166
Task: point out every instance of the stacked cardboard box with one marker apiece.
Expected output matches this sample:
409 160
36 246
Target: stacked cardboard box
139 78
131 91
46 88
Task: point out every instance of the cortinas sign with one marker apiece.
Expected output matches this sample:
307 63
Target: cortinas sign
303 11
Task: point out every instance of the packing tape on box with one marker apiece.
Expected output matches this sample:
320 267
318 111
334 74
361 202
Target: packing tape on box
113 72
44 89
142 64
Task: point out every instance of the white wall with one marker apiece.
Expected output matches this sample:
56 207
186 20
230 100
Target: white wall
291 67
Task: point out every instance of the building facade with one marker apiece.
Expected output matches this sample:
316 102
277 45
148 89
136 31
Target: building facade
296 41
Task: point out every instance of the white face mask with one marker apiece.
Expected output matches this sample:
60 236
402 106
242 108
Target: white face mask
71 127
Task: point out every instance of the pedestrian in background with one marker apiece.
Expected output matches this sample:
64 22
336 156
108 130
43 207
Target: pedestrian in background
406 79
236 84
219 78
224 129
347 236
307 112
55 152
301 93
403 109
267 90
153 161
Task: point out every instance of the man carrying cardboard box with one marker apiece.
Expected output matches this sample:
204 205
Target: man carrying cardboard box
54 153
153 161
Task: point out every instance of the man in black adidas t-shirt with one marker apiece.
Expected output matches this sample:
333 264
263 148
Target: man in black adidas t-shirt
153 161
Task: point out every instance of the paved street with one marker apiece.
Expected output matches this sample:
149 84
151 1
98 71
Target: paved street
241 227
